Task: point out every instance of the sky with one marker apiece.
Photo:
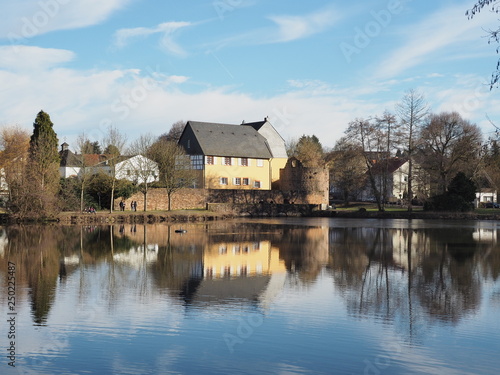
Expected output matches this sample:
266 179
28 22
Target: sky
310 67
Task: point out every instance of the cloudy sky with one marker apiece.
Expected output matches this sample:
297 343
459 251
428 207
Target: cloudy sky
311 66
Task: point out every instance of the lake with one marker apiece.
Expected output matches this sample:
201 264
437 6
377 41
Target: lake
257 296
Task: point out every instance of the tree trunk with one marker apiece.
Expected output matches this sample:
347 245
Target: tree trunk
112 204
410 185
81 199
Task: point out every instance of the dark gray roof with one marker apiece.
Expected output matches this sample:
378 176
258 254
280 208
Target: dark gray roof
69 159
256 125
229 140
221 291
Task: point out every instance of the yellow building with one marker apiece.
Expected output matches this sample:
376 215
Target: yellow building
239 259
246 156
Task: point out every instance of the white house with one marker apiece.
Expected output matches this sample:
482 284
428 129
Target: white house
136 168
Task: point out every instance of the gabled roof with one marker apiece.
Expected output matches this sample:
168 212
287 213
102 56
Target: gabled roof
256 125
275 141
392 165
70 159
225 140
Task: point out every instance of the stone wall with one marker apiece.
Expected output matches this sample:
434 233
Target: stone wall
157 199
312 183
199 198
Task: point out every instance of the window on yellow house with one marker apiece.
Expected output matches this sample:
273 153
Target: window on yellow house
237 180
246 181
256 184
223 181
227 161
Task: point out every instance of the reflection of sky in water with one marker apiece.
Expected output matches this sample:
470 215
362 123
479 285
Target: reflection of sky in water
158 311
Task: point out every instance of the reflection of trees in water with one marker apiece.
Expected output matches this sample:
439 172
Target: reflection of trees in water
364 271
400 274
447 281
36 252
304 251
178 266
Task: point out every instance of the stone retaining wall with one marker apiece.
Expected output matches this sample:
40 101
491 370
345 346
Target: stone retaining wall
199 198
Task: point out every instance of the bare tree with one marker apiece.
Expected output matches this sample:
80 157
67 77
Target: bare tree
493 35
389 129
369 139
347 173
174 166
82 144
144 169
450 144
14 144
291 147
175 132
115 141
412 111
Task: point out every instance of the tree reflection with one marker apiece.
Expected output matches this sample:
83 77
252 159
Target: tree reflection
405 275
446 281
409 276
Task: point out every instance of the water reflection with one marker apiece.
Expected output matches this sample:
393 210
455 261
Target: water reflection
379 271
410 276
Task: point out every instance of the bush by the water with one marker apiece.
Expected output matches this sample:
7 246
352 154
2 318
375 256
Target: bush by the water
448 202
459 196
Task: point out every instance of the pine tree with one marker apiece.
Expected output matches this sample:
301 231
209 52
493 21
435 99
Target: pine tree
43 164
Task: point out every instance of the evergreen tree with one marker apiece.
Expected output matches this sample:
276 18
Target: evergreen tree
43 166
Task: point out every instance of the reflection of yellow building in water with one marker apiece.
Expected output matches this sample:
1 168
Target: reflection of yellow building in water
239 259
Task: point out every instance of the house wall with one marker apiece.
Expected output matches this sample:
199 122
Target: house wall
66 172
214 172
225 259
399 183
130 169
276 165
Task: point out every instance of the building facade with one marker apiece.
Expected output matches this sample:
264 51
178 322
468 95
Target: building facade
246 156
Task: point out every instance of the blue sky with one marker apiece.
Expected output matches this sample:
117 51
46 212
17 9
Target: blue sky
312 67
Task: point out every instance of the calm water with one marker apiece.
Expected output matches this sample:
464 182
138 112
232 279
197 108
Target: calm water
291 296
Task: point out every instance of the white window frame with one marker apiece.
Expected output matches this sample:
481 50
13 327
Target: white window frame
260 162
223 181
237 181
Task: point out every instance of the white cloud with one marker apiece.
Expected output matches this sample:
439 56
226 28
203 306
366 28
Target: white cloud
432 38
297 27
286 28
29 18
167 29
20 58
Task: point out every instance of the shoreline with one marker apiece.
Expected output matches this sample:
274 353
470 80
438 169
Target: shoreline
152 217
